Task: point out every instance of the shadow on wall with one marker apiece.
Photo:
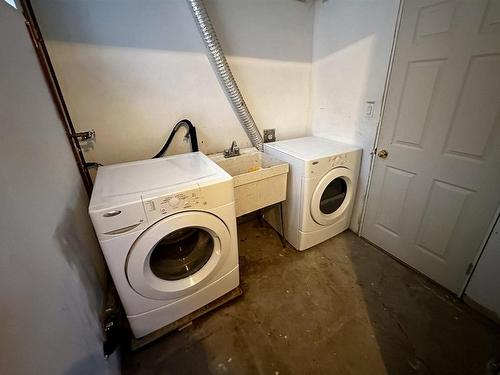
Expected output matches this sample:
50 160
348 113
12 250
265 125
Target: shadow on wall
78 246
352 45
74 234
168 25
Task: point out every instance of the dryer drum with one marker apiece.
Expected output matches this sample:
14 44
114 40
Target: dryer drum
333 196
181 253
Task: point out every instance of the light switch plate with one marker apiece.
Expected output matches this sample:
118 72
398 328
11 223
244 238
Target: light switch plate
269 135
369 109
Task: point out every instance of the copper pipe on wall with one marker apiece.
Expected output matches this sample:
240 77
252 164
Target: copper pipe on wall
56 92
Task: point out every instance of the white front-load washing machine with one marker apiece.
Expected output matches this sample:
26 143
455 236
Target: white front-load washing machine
321 188
167 228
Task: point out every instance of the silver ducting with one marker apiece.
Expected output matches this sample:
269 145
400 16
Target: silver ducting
223 71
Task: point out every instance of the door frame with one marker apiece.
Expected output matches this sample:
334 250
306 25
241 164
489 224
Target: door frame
475 261
373 154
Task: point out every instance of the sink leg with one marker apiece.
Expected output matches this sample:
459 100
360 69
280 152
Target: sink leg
282 225
281 231
260 217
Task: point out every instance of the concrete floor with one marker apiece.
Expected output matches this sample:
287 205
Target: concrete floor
342 307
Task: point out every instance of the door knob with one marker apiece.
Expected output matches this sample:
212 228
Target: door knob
383 154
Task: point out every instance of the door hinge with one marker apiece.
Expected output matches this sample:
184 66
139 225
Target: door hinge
469 268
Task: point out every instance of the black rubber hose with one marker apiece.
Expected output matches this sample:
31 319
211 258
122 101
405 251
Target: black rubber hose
192 137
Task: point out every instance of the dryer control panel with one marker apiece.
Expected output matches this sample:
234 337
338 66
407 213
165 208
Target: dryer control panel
322 166
157 207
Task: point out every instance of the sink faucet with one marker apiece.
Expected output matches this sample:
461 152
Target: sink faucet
234 150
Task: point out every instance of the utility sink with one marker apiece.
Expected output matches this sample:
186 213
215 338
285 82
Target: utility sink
259 179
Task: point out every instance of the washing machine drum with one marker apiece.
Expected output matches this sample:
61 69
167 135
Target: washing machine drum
178 255
332 196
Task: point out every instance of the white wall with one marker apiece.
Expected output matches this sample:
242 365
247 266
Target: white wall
52 273
352 44
131 69
484 283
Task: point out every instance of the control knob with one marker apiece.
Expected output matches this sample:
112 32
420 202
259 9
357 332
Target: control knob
174 202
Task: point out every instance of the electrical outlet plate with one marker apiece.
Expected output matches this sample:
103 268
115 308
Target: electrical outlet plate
269 135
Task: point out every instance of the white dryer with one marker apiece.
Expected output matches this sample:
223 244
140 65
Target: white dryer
321 188
167 228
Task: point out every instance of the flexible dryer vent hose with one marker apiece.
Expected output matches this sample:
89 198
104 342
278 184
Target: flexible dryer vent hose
224 74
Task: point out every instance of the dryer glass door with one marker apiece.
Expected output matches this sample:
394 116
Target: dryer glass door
332 196
178 255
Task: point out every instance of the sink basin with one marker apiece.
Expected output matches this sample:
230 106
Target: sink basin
259 179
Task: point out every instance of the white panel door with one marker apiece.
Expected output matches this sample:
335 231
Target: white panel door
434 195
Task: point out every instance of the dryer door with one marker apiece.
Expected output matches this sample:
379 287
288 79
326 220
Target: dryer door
178 255
332 196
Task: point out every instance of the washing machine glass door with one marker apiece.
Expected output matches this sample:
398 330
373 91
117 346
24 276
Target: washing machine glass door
332 196
178 255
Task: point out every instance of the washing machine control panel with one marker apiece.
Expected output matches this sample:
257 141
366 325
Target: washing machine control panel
157 207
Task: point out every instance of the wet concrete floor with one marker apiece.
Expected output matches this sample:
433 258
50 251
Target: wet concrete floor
342 307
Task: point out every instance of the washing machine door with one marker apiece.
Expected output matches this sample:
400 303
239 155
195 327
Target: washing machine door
332 196
178 255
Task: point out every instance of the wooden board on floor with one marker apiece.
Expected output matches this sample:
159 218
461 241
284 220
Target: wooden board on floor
179 324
